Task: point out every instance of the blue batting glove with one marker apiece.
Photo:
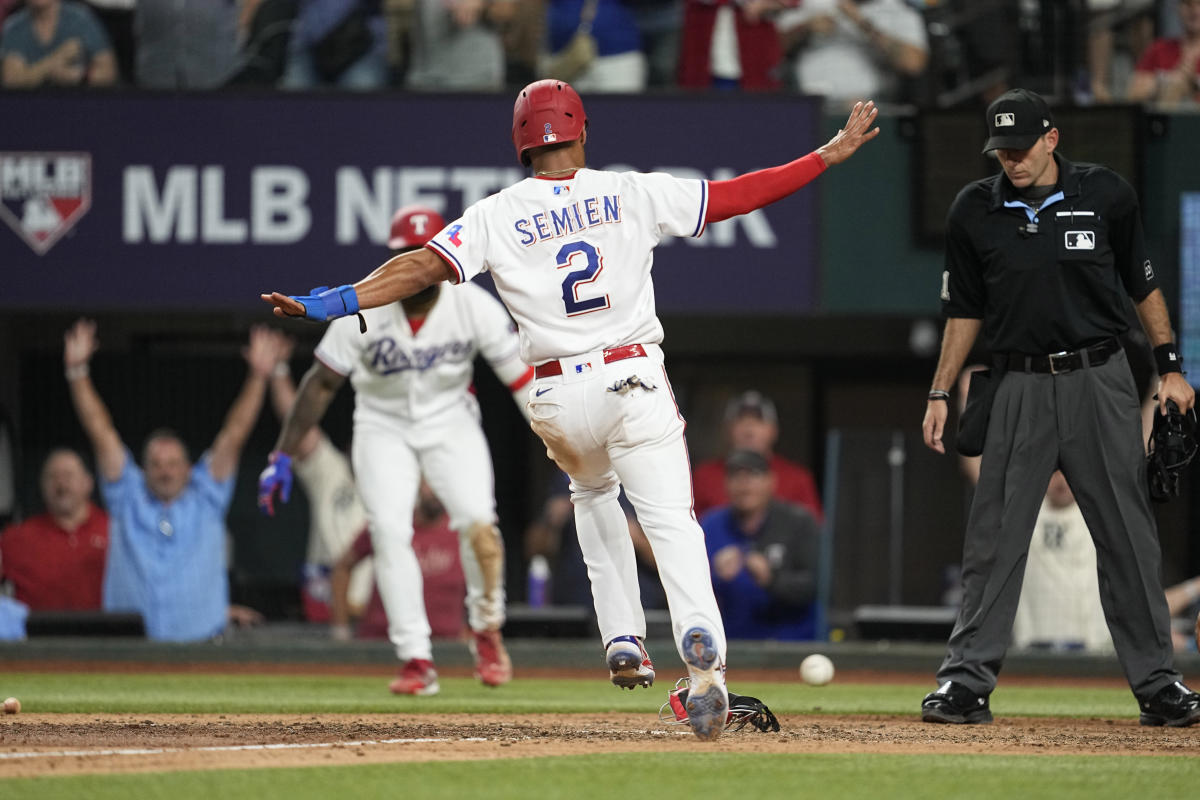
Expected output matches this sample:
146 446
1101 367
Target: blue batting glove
326 304
276 477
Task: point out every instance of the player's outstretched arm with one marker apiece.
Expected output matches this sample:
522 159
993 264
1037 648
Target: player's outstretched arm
397 278
857 131
751 191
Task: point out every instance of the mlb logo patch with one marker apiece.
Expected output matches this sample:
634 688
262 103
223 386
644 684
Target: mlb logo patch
1006 119
584 367
1081 240
562 189
549 135
43 195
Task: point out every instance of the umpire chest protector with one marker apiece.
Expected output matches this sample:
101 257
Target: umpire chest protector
1049 279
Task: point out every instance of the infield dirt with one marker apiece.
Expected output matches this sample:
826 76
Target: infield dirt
64 744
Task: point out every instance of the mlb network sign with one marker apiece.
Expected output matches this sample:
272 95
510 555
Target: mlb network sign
236 194
43 195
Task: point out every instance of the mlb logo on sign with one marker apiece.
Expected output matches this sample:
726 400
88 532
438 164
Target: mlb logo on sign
43 195
1006 120
1081 240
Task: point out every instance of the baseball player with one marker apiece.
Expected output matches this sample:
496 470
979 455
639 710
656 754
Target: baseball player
570 250
414 415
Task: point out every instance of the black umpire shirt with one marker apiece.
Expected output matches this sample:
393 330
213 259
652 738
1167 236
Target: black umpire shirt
1048 280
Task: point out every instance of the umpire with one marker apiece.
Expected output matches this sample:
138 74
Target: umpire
1040 258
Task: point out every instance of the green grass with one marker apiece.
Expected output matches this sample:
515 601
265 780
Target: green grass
290 694
719 775
654 775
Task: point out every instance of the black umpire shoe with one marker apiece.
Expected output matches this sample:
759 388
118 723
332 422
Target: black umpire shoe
1174 705
957 705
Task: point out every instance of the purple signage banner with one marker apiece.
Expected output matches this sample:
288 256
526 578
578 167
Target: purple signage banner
202 201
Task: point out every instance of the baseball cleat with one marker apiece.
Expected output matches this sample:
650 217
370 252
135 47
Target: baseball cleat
629 665
743 711
493 667
707 703
417 676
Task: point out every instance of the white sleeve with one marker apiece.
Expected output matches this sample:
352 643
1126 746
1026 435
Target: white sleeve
341 346
496 337
677 205
463 243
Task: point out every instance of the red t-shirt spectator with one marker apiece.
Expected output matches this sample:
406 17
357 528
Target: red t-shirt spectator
53 569
1163 56
793 483
445 592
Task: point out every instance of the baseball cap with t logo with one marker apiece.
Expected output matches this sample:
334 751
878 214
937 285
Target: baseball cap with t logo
1017 119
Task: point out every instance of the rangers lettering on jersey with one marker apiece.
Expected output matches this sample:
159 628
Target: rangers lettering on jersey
579 216
386 359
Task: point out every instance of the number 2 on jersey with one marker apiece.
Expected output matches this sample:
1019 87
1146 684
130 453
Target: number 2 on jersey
593 265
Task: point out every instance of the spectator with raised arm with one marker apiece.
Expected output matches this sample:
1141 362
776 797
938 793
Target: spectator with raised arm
166 556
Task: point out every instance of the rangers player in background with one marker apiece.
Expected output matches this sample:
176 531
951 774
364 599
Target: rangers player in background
571 250
414 415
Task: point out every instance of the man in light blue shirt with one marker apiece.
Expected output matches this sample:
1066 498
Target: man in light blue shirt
166 557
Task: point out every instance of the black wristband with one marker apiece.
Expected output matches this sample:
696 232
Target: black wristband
940 394
1167 359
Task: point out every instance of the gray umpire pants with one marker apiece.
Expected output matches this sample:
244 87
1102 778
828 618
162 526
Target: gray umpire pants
1087 423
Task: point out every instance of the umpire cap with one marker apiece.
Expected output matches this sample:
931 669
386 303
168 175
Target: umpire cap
1017 119
413 226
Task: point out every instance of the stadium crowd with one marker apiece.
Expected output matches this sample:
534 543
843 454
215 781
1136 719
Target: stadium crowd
929 53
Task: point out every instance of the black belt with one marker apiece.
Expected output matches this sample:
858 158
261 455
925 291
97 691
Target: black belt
1066 361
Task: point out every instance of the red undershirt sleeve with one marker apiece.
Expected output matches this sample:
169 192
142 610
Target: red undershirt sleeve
753 190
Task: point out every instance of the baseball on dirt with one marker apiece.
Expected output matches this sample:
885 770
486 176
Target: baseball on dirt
816 670
12 706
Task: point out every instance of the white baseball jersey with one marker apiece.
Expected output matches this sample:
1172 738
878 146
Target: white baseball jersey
571 257
1060 596
400 378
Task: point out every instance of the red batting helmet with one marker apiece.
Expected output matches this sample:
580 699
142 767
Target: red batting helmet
413 226
546 112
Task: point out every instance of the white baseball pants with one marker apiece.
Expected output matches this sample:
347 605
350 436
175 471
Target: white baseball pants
612 425
389 461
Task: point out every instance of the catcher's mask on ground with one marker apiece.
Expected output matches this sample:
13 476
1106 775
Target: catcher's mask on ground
1171 448
743 710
